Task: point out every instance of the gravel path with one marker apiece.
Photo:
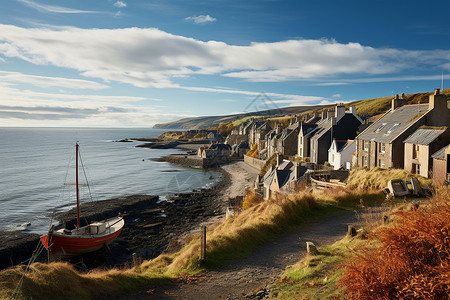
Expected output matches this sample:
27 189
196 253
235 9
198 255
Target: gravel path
265 265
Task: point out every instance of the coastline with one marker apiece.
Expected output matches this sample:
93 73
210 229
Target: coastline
152 225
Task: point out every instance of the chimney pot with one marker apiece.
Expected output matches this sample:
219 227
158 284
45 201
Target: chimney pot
437 91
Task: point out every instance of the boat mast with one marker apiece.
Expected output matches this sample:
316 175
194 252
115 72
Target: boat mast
76 183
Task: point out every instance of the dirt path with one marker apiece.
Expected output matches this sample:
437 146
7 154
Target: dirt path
265 265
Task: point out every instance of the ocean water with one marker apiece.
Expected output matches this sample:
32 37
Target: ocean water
37 167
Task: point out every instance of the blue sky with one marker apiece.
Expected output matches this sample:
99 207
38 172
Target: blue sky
109 63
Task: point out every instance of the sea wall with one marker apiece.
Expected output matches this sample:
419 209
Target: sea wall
254 162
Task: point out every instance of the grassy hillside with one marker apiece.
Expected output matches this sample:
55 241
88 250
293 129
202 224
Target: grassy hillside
371 107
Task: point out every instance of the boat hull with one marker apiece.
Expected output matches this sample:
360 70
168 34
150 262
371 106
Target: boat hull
77 244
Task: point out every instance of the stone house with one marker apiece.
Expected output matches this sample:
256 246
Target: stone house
340 125
281 178
270 142
340 153
381 144
252 131
215 151
419 147
287 142
305 132
260 134
241 149
441 165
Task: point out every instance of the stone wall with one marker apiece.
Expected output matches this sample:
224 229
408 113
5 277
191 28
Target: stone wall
254 162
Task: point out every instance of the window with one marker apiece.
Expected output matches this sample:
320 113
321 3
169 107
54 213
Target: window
382 148
380 127
382 164
332 157
393 127
366 145
364 159
415 151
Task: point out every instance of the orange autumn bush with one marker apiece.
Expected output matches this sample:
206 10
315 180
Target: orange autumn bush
413 260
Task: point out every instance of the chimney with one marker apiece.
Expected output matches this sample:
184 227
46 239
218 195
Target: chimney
323 114
440 115
296 171
438 100
329 114
397 102
352 110
340 111
279 160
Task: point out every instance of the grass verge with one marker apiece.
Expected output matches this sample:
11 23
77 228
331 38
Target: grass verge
316 277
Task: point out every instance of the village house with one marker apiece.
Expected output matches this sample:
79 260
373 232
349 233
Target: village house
221 152
240 149
381 144
340 153
419 147
441 165
305 132
260 134
281 178
287 142
271 141
340 125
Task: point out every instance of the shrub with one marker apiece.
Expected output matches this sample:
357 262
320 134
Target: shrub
272 161
251 199
413 261
253 152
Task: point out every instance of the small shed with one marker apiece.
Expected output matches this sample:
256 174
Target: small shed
441 165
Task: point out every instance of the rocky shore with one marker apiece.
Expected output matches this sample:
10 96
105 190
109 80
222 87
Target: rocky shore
152 226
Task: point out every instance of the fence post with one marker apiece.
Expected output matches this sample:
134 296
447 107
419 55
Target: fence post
203 244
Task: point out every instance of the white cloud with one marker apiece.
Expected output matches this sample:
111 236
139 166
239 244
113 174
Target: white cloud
54 9
148 57
31 108
120 4
202 19
50 82
337 96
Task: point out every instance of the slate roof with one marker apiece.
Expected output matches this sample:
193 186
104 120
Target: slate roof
424 136
343 144
387 128
440 154
314 120
219 147
283 176
306 128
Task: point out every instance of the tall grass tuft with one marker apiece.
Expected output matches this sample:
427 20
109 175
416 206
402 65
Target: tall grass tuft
413 261
377 178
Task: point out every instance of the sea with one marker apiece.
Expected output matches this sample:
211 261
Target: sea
37 171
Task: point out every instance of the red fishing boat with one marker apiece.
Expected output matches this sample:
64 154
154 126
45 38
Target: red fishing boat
82 239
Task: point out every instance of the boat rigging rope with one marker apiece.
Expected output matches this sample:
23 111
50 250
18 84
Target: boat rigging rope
40 247
85 177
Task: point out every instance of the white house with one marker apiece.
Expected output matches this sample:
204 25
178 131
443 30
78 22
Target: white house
340 153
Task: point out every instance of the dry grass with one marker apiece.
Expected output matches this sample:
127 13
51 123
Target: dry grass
62 281
251 199
377 178
413 261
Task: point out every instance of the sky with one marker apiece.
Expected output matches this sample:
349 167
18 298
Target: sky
135 63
